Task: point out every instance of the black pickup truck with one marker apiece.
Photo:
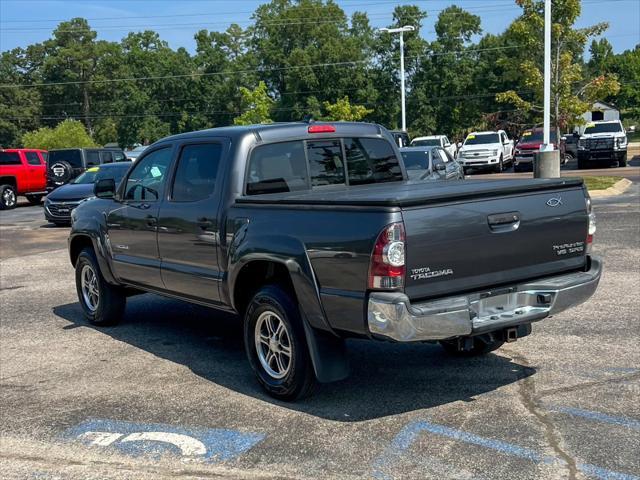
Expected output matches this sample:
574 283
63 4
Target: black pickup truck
312 233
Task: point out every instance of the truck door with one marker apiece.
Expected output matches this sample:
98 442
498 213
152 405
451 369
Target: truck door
132 224
37 178
188 229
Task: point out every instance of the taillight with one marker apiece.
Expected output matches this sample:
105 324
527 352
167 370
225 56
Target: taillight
592 225
387 269
321 129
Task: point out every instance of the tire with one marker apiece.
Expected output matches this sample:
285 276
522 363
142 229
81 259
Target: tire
34 199
8 197
61 172
582 164
517 168
622 162
465 171
105 306
285 377
500 166
479 347
567 158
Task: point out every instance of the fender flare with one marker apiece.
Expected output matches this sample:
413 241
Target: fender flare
100 247
326 348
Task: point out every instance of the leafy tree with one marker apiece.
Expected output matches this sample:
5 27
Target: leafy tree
572 93
343 110
256 105
67 134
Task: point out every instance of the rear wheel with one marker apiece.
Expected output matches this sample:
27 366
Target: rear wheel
34 199
8 197
276 346
103 304
477 348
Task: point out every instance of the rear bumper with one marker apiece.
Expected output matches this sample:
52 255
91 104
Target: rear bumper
391 315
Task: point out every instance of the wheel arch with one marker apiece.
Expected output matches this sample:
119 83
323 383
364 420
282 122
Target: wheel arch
9 180
80 241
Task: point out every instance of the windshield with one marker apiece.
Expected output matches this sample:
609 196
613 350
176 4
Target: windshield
426 142
535 136
482 139
87 177
117 173
416 161
73 157
602 128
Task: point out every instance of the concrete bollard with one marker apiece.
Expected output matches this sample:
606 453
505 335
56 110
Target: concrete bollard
547 164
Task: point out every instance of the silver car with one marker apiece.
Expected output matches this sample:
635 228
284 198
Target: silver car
431 163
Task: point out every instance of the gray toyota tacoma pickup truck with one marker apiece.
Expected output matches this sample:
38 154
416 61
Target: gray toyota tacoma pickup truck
312 234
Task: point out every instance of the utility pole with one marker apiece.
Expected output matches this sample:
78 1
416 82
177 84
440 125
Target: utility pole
401 30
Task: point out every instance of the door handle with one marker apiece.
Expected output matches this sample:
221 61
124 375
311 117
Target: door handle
504 222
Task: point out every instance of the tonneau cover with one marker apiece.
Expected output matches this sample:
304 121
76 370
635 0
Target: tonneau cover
407 194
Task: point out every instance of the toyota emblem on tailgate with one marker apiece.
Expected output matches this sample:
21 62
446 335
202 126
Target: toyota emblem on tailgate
554 202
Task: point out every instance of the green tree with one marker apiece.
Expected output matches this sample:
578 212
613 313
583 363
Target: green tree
572 92
256 105
67 134
343 110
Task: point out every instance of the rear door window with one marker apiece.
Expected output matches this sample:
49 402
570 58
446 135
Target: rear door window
106 157
93 158
326 166
9 158
277 167
196 173
33 158
371 160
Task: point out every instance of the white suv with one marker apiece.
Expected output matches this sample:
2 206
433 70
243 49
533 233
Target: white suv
436 141
486 150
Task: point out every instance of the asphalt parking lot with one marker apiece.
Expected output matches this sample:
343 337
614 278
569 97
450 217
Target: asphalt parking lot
169 393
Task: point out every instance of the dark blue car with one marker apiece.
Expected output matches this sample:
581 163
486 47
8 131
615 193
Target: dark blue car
60 202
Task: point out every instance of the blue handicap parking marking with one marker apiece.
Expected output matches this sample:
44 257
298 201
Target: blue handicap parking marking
138 439
626 422
407 436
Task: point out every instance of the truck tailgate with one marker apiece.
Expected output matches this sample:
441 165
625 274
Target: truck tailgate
483 243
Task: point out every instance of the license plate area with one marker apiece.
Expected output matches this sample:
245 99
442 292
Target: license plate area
497 304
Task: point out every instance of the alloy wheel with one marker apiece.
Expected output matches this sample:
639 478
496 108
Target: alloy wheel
273 344
90 289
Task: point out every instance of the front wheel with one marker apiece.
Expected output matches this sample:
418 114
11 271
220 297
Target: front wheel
276 346
479 347
500 166
34 199
8 197
103 304
622 162
582 164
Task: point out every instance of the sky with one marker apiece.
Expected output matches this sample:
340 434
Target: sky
23 22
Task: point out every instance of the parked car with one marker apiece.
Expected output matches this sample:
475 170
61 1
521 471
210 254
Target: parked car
401 138
60 203
22 172
486 150
530 143
603 141
232 218
67 164
436 141
135 152
430 163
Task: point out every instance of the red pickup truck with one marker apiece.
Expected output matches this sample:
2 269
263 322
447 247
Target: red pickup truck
23 171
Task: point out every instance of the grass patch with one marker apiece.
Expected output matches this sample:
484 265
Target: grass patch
600 183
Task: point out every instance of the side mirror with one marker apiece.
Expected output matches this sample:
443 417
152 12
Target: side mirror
440 167
459 144
105 188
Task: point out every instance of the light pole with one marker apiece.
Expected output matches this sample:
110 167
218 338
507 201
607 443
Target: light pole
546 142
401 30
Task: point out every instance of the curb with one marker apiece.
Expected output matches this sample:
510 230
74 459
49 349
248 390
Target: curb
617 189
